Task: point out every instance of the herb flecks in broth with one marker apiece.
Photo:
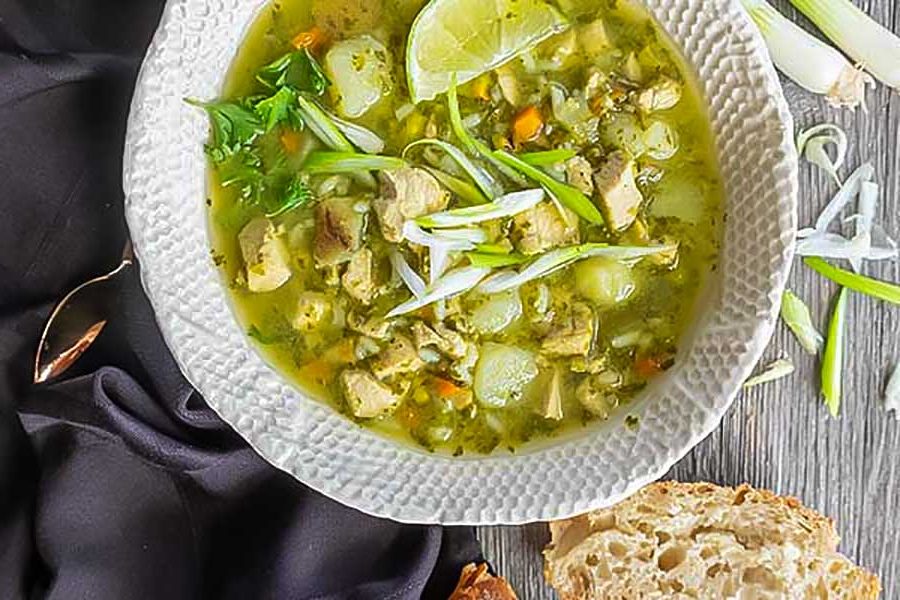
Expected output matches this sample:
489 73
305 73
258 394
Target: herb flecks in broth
507 260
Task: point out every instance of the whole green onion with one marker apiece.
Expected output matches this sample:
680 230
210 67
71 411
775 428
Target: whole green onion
857 34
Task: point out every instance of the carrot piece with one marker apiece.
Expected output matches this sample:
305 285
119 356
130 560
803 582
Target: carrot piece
647 367
311 39
290 141
527 125
445 388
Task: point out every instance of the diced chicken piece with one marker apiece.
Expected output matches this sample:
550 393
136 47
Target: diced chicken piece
374 327
359 279
593 37
313 308
509 84
664 93
406 194
596 396
574 336
339 231
360 71
366 396
441 337
398 358
454 345
620 198
424 336
265 256
552 408
578 174
461 370
365 347
543 227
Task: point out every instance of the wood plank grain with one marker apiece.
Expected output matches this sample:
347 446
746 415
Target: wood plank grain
779 436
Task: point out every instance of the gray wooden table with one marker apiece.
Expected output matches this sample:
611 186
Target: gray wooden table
779 436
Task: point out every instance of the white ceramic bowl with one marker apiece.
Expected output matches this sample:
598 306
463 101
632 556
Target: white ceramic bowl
165 184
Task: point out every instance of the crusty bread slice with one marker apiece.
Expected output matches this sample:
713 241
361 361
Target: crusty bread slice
475 583
699 540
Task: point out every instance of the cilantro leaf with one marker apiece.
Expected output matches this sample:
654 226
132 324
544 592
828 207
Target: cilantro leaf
281 107
295 195
234 125
297 70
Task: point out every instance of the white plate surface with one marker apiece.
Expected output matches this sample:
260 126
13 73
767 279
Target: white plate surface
165 189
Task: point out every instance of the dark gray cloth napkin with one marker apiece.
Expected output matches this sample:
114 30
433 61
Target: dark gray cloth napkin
119 483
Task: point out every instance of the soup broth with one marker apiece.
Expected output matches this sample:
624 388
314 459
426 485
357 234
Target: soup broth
554 319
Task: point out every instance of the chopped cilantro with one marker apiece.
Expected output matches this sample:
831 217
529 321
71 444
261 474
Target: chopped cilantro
299 71
234 125
280 108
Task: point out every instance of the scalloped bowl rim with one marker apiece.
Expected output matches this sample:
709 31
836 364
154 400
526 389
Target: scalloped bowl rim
164 180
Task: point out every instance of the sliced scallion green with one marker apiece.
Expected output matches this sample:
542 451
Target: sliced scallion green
549 263
322 126
548 158
565 194
504 206
493 249
475 146
465 190
833 359
774 370
858 283
796 315
482 178
319 163
448 285
495 260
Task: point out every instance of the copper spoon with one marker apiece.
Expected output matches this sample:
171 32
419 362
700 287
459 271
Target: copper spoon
76 322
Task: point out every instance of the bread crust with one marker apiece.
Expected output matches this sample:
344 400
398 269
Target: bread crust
476 583
674 540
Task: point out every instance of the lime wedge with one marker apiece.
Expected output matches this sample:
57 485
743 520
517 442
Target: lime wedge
471 37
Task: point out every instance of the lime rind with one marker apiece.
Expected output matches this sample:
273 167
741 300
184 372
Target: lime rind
481 35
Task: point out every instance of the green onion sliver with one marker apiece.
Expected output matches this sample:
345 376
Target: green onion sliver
448 285
492 249
504 206
565 194
482 178
774 370
495 260
465 190
548 158
796 316
319 163
833 359
553 261
858 283
472 144
322 126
